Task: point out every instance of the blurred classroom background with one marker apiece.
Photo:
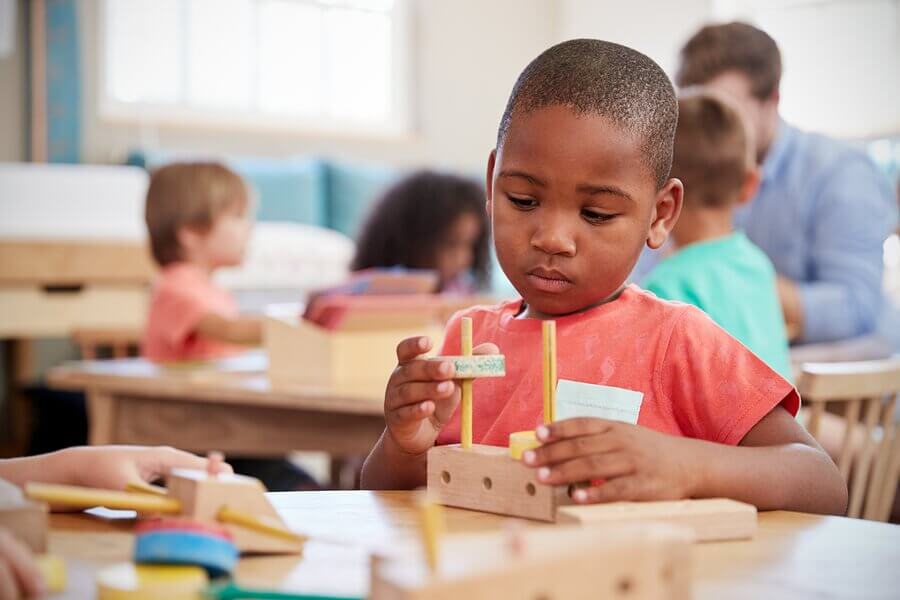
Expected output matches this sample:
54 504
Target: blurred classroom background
319 104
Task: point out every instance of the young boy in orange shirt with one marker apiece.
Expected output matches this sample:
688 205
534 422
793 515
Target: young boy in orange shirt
197 218
577 185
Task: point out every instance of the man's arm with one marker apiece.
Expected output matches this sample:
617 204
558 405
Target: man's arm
853 215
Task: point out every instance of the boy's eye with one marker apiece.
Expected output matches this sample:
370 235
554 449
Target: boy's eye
523 203
593 216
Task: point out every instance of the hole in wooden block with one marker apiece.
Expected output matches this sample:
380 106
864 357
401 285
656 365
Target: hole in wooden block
542 597
530 489
445 476
487 483
571 490
624 585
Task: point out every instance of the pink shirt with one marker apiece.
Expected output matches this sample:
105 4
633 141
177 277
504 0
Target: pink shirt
183 294
697 381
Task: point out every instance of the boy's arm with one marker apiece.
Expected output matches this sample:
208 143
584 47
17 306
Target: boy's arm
111 467
239 330
777 466
389 468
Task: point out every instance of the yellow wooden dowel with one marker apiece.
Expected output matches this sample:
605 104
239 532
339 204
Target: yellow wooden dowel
81 497
431 525
53 569
552 328
545 370
258 524
465 433
142 487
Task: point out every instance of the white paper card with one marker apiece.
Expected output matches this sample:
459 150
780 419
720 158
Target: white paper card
577 399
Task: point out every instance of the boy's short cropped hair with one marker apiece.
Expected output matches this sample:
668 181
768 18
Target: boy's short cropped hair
189 195
594 77
734 46
713 152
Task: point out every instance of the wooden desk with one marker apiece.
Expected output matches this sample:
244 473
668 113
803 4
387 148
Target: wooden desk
228 405
793 556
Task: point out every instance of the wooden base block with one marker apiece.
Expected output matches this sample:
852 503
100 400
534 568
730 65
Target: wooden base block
28 523
709 519
486 478
628 562
202 497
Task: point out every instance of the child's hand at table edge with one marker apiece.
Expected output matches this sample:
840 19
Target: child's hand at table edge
421 395
633 462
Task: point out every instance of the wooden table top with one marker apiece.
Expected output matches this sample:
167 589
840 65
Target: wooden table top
241 379
792 556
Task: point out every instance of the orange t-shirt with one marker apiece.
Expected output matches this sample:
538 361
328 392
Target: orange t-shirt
696 379
183 294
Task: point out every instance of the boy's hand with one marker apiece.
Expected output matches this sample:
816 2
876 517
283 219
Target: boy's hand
19 573
633 462
114 467
421 396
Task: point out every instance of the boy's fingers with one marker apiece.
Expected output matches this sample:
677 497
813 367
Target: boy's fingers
567 449
21 564
411 413
621 489
423 370
417 391
486 348
411 348
8 586
569 428
586 468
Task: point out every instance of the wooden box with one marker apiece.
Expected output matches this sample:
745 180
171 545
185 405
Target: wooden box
346 361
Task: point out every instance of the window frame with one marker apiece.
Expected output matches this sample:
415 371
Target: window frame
399 125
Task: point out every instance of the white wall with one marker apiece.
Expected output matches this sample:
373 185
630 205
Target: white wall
656 28
467 55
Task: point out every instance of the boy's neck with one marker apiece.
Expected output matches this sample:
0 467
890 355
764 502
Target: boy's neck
697 225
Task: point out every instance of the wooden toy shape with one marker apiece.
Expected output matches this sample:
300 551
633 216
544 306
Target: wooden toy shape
235 501
475 366
633 562
204 497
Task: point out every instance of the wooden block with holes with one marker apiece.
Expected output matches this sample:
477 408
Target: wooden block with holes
628 562
487 479
202 497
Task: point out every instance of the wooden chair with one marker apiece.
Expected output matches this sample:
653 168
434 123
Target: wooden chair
120 342
870 461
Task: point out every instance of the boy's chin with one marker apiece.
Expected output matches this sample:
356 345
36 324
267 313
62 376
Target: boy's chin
559 306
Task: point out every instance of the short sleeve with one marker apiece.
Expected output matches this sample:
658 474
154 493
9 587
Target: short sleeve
451 345
717 388
181 310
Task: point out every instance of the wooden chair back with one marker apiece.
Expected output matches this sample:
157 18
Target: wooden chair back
870 462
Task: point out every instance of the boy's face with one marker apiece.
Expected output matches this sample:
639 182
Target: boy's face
222 245
572 204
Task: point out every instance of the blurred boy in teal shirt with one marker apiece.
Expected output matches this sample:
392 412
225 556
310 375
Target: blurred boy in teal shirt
714 267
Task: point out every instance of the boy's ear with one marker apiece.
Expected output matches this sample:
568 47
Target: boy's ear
750 185
489 183
665 212
188 238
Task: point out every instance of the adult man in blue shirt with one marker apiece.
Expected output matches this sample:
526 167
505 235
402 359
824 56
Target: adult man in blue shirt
823 209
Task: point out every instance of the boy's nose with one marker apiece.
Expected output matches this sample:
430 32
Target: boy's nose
552 237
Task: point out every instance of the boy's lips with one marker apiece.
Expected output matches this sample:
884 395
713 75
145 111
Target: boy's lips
549 280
